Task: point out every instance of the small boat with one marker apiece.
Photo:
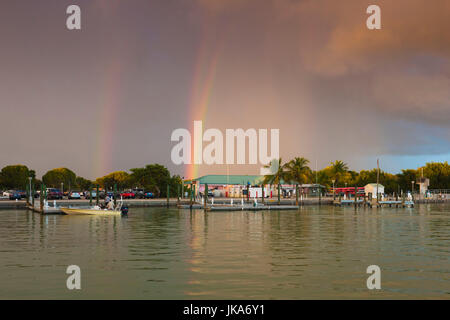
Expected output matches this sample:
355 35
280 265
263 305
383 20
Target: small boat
90 211
120 209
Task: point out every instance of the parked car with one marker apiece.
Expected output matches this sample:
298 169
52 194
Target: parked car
87 194
149 195
23 194
139 193
54 194
128 195
8 192
74 195
14 195
2 196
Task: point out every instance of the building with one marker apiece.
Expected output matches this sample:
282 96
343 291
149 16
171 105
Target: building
235 186
423 183
372 188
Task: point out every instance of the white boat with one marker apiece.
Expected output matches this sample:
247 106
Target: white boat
90 211
96 210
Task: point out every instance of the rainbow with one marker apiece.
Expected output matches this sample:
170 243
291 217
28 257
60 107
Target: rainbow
107 117
204 76
109 101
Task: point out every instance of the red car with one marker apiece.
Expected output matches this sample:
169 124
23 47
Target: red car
128 195
53 193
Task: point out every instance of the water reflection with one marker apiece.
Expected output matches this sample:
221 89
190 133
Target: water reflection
159 253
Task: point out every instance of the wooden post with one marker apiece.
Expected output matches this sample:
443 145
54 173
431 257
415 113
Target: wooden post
115 194
279 193
90 196
27 195
263 195
178 193
190 195
248 192
206 196
97 197
41 198
296 194
32 195
356 196
168 194
320 194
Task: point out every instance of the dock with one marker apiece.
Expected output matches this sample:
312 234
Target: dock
258 207
374 203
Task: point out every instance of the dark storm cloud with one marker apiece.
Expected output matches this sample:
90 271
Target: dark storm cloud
310 68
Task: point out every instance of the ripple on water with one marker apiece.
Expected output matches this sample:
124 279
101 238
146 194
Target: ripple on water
160 253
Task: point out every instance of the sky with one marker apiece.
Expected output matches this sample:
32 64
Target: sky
107 97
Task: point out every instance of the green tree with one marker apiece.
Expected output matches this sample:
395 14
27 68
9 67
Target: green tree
323 177
298 171
16 176
404 179
153 177
338 171
119 178
83 184
55 177
438 173
278 174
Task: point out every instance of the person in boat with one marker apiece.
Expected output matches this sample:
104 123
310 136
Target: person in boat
110 205
106 203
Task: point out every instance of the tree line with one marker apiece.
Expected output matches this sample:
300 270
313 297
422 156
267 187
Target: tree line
337 173
154 178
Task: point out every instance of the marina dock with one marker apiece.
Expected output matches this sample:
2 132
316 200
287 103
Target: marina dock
377 204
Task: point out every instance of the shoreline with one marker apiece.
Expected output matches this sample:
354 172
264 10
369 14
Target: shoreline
173 202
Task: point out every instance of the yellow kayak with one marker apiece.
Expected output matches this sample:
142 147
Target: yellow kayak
86 211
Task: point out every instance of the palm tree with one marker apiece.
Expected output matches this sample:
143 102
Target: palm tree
278 172
298 170
338 169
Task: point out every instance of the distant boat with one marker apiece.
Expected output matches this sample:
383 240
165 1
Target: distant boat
87 211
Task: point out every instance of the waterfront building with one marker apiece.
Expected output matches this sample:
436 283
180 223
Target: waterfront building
372 188
235 186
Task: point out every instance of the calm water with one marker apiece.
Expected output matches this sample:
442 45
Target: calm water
174 254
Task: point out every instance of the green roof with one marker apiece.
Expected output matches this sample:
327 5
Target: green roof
230 179
239 180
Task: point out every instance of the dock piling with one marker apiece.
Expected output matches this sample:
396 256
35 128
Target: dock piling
263 195
279 194
168 194
97 197
206 196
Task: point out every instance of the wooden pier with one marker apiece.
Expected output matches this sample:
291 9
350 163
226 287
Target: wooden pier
376 204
